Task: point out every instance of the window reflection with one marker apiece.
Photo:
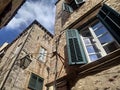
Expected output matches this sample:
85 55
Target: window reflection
101 30
105 39
94 57
92 49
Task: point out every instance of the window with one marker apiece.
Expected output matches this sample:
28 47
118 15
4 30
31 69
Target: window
97 41
111 19
42 54
35 82
2 53
72 5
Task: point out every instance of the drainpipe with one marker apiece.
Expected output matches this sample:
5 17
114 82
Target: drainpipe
2 86
56 63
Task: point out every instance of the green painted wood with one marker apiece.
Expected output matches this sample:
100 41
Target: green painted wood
75 50
111 19
67 8
35 82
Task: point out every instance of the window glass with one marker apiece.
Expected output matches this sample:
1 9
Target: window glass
100 31
42 54
98 41
88 41
90 45
94 57
105 38
111 47
96 25
92 49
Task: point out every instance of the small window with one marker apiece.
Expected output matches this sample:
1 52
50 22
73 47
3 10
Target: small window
72 5
35 82
42 54
67 8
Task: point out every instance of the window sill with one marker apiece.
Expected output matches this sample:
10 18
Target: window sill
103 63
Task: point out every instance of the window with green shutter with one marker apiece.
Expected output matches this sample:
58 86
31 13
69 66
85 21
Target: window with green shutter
72 5
75 50
79 1
35 82
67 8
111 19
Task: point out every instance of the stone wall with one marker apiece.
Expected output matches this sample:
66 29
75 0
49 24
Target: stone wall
105 80
8 11
18 79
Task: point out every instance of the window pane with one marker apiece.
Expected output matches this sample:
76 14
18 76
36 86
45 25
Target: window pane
111 47
94 57
86 34
97 25
88 41
100 31
105 38
92 49
42 54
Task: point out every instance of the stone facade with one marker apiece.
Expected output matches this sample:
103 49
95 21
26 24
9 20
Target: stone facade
69 77
8 9
14 77
102 74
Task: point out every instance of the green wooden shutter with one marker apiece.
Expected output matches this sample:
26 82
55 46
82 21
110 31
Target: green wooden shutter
75 50
111 19
79 1
36 82
32 82
39 84
67 8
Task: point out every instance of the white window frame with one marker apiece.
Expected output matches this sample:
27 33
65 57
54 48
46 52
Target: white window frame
98 44
42 54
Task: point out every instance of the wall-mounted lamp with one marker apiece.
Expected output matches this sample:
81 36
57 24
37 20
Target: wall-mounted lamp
25 61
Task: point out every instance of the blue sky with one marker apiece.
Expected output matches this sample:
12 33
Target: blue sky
41 10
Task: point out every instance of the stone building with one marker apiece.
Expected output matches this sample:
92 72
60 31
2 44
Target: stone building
26 62
8 9
84 53
86 48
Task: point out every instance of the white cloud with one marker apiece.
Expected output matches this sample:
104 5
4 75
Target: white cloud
41 10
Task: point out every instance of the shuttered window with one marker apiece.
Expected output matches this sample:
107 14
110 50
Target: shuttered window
67 8
79 1
36 82
111 19
76 53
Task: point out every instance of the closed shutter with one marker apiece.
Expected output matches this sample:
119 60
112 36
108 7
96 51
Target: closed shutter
36 82
79 1
75 50
111 19
67 8
32 82
39 84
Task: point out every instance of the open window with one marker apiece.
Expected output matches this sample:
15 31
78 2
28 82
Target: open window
97 39
111 19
